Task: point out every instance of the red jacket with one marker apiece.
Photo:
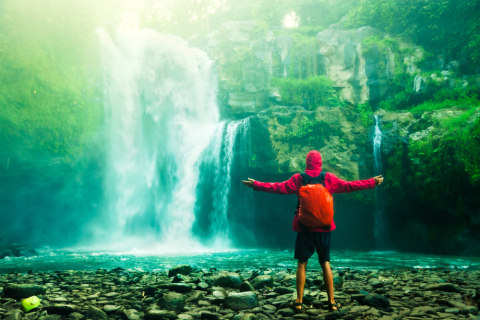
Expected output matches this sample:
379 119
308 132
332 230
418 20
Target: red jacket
314 167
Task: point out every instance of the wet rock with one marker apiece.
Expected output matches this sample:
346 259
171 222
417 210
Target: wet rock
172 301
178 287
95 313
75 316
183 269
447 287
207 315
264 281
160 315
286 312
63 309
229 280
246 286
241 300
131 314
21 291
377 301
14 315
283 290
109 308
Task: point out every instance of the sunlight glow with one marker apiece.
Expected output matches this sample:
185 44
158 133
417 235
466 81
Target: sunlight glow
291 20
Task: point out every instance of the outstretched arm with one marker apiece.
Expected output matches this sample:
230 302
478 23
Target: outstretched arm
286 187
336 185
248 182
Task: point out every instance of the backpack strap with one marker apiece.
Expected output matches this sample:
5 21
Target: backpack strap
320 179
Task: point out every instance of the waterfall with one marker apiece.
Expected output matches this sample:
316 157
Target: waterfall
161 114
219 162
379 231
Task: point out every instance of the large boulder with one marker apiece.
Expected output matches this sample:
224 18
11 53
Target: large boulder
241 300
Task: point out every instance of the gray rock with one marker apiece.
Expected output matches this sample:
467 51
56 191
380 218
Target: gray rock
241 300
63 309
229 279
244 316
447 287
377 301
95 314
207 315
246 286
178 287
21 291
283 290
132 314
172 301
14 315
183 269
160 315
263 281
109 308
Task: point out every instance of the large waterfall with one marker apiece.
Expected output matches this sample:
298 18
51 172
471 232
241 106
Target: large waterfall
161 115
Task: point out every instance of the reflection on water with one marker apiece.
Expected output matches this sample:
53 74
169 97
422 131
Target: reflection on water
50 260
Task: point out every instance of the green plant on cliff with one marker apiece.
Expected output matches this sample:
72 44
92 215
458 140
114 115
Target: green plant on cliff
310 131
309 93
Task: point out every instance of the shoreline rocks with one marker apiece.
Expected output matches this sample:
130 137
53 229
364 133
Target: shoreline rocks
188 293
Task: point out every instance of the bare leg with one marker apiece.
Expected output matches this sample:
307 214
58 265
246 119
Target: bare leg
301 275
328 279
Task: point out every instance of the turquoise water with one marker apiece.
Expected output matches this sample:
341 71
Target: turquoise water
51 260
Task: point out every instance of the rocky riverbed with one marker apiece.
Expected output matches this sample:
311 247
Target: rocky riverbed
186 293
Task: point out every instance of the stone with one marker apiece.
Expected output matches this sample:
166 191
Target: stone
263 281
244 316
447 287
160 315
246 286
63 309
95 313
14 315
203 285
286 312
178 287
377 301
132 314
283 290
229 280
241 300
109 308
76 316
21 291
207 315
182 269
172 301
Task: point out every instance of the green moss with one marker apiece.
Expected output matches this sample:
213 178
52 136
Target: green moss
309 93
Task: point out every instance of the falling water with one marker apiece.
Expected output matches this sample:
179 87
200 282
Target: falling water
161 115
219 163
379 218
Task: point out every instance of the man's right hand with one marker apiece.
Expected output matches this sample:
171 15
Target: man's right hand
378 180
248 182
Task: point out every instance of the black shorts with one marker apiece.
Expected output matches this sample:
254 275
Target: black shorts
307 242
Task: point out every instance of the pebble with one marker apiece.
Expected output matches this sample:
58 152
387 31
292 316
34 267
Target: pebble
191 294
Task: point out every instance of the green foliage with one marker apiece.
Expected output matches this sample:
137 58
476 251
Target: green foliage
432 24
366 114
309 132
376 43
50 101
309 93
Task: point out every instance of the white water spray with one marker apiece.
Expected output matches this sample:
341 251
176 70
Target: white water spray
379 231
161 115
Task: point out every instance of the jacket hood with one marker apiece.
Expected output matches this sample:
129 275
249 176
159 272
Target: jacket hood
314 161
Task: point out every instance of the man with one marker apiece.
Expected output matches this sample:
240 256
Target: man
309 239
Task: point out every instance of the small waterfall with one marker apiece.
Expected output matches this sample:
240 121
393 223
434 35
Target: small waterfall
379 231
219 163
161 114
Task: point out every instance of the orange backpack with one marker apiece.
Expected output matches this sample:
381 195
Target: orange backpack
315 207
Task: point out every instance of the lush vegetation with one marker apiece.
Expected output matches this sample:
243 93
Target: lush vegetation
309 93
50 103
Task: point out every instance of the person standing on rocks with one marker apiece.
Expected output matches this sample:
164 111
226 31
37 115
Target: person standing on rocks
309 239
